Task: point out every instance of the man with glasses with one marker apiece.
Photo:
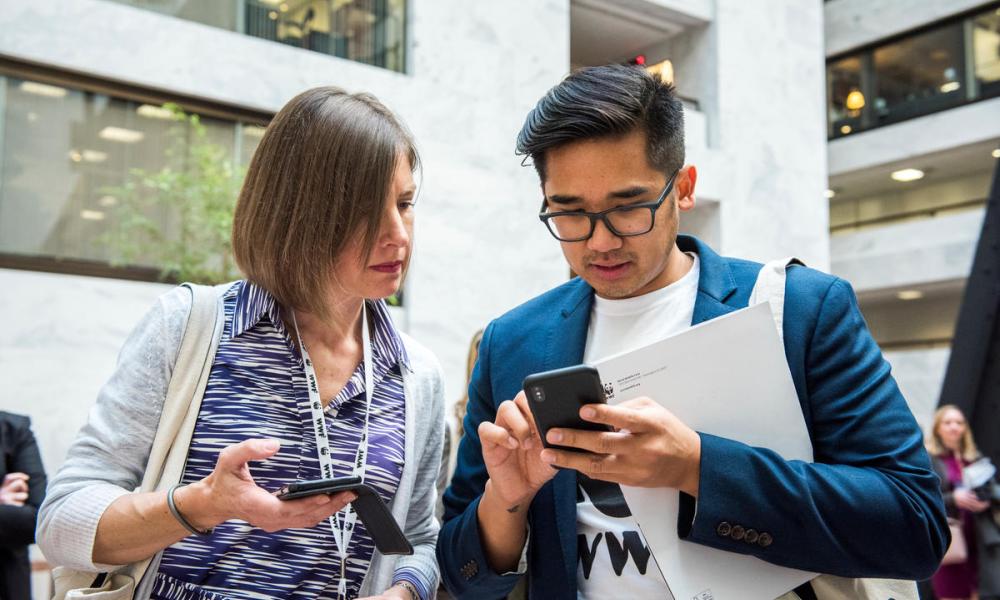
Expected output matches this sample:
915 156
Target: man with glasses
608 146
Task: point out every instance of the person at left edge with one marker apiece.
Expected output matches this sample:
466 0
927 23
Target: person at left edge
323 230
21 493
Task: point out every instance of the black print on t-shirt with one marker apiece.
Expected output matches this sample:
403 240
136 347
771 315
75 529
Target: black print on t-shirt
618 551
606 496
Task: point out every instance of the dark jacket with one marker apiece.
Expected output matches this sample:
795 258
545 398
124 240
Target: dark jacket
987 532
17 523
869 506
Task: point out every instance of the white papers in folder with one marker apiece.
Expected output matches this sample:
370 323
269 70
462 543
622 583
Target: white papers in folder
727 377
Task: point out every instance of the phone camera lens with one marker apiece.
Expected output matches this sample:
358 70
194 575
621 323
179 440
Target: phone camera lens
539 394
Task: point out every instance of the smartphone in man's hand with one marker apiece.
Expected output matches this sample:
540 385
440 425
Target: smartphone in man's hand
555 398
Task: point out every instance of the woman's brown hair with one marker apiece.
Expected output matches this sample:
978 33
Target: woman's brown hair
935 447
317 182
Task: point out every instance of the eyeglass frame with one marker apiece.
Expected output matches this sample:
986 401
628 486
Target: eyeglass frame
653 206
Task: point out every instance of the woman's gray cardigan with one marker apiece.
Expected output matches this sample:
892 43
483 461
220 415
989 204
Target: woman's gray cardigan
109 455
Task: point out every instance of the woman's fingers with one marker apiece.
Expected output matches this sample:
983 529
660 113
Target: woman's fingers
234 457
269 513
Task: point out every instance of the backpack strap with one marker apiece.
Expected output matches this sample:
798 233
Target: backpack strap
770 287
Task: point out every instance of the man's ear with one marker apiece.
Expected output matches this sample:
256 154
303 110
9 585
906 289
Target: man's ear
687 177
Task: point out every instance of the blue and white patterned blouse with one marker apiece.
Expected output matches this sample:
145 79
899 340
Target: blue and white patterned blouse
257 389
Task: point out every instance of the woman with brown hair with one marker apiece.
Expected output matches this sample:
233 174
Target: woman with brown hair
323 232
950 444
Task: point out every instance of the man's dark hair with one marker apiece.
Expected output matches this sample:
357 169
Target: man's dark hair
608 101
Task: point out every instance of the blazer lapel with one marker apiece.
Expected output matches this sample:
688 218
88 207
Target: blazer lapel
567 340
716 283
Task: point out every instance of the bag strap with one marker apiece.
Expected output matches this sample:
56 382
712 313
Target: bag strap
184 393
770 287
188 381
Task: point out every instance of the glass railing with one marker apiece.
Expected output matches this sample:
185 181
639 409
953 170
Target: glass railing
851 225
367 31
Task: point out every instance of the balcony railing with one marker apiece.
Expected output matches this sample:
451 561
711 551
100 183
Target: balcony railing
367 31
910 215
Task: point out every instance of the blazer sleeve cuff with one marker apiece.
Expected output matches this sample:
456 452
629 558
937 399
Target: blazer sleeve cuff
464 567
714 519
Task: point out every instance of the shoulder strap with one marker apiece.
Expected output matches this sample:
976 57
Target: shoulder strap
187 384
770 287
182 404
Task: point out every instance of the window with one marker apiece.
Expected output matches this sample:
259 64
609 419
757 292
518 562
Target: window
919 75
368 31
941 67
67 156
986 52
845 96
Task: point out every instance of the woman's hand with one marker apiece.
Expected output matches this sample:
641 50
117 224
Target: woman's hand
14 491
511 451
230 492
967 500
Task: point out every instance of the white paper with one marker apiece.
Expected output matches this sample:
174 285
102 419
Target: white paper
727 377
978 473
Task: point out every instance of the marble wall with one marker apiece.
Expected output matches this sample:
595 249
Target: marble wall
910 253
920 374
757 74
60 345
770 77
938 132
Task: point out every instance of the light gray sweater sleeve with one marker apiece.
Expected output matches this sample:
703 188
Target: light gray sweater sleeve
421 524
108 457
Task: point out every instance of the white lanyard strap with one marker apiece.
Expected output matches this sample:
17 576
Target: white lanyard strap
341 527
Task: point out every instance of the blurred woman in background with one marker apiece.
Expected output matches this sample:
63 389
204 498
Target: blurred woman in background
952 448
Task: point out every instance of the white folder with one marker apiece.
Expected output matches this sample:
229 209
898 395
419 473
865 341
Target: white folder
727 377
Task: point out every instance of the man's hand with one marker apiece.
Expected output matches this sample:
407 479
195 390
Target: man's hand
511 451
967 500
650 447
14 491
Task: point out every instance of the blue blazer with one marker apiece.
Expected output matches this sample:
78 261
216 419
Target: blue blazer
868 506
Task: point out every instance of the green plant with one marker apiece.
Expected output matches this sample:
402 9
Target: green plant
180 217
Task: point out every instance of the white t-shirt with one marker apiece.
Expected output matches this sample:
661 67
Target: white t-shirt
613 560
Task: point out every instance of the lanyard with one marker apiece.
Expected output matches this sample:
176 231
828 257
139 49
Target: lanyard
341 526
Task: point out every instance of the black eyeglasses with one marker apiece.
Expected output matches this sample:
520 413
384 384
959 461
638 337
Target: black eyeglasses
623 221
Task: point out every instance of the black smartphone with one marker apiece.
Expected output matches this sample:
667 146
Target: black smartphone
555 398
304 489
372 511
